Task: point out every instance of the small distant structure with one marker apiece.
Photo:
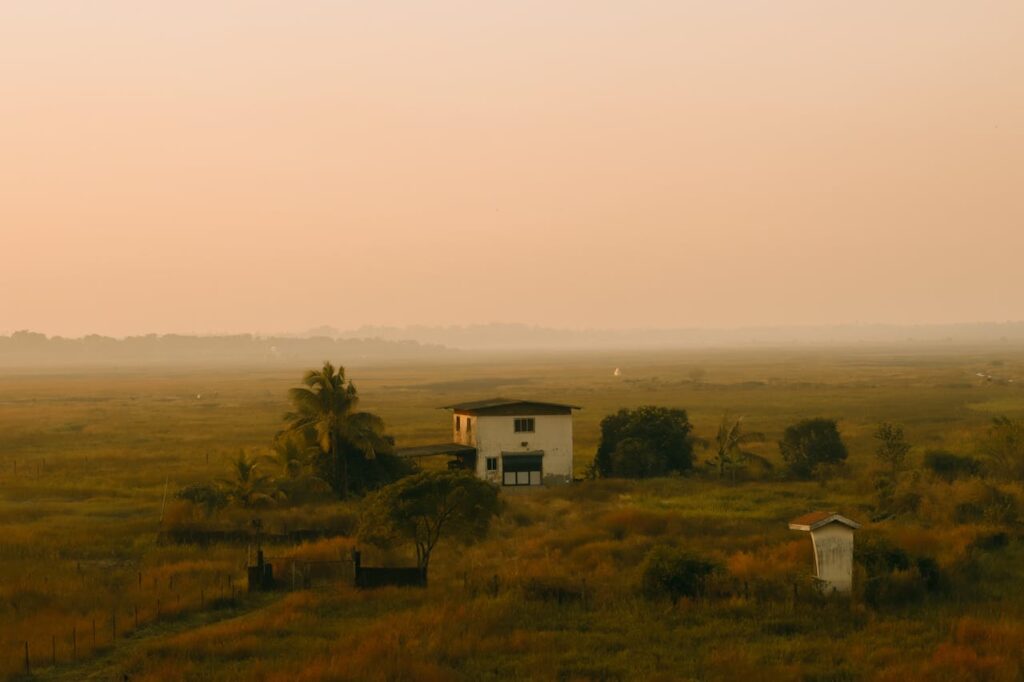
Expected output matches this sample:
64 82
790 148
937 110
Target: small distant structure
832 536
617 372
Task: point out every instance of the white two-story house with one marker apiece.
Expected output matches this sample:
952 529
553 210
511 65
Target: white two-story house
509 442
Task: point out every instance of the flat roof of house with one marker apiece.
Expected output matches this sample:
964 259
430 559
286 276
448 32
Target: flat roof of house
504 404
437 449
815 520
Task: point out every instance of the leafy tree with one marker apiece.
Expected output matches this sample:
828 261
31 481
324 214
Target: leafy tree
324 413
729 446
423 508
1004 446
247 487
675 573
647 441
893 447
811 442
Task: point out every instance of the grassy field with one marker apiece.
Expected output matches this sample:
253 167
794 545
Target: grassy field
87 460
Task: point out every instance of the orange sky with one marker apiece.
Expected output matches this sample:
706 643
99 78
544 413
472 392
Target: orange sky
261 166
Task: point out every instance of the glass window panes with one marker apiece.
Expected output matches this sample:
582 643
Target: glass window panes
524 424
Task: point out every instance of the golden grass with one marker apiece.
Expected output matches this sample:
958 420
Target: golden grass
78 522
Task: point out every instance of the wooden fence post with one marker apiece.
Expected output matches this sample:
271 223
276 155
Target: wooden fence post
113 627
74 643
28 666
53 649
93 633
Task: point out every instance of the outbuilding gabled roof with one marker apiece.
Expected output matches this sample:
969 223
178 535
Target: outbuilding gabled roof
817 519
509 406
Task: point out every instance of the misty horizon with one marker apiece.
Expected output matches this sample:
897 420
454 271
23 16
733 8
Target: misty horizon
427 341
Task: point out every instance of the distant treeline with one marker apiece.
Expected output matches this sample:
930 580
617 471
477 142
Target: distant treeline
525 337
29 349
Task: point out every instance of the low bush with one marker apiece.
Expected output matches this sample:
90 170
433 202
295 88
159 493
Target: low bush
553 589
949 466
674 573
894 577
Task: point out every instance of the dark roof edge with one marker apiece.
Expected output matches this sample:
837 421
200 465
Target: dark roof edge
505 402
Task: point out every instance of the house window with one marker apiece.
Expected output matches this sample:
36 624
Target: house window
458 423
525 425
469 427
492 463
523 469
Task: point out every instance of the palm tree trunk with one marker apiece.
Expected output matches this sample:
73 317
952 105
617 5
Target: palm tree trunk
337 465
344 477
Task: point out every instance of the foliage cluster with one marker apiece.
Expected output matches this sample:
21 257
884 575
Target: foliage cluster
674 573
645 442
812 443
423 508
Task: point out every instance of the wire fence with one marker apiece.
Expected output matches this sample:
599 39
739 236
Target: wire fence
146 602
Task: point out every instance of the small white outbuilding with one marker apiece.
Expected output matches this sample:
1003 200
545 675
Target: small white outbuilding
832 536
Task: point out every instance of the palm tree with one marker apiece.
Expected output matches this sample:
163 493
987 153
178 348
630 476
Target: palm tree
324 413
729 443
247 487
290 454
294 458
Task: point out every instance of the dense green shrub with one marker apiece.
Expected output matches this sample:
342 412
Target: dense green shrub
674 573
894 577
810 443
645 442
949 466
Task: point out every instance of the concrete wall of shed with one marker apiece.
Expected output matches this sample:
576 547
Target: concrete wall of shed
833 556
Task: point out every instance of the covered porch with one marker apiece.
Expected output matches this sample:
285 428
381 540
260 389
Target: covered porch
462 456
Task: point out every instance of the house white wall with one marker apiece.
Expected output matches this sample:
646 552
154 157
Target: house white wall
493 435
833 555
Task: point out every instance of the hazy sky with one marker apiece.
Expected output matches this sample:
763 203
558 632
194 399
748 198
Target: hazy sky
272 166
